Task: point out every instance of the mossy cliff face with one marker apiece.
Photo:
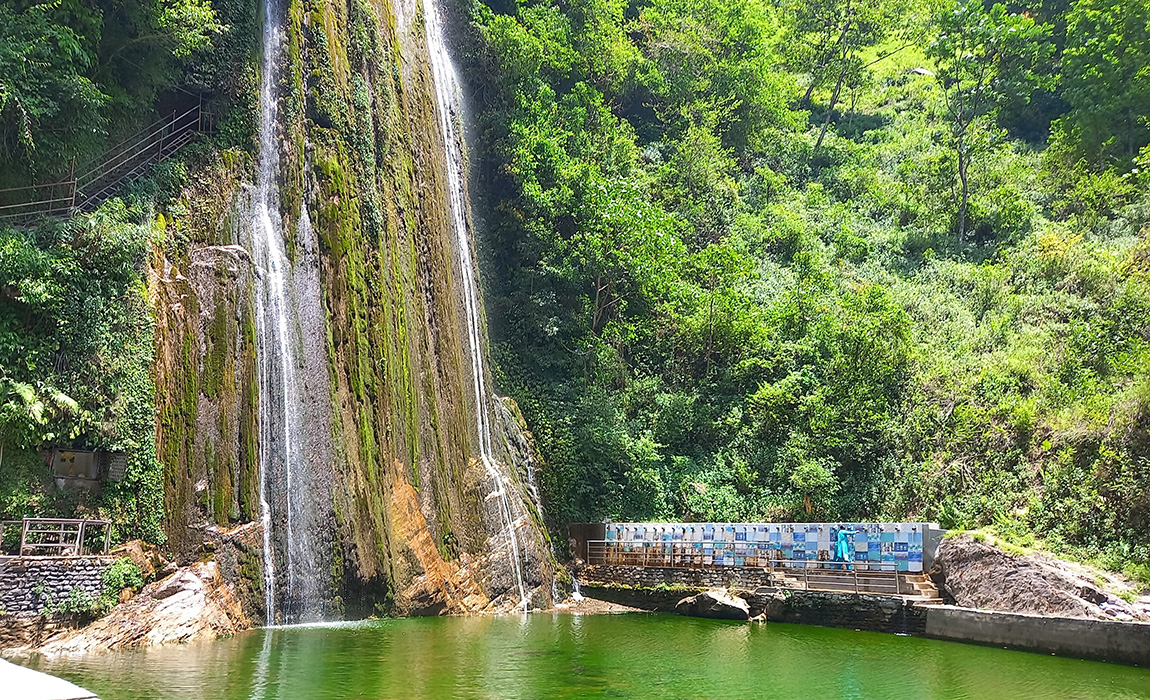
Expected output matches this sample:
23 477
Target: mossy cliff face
415 521
200 284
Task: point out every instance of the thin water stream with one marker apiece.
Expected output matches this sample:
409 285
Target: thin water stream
449 104
634 656
288 486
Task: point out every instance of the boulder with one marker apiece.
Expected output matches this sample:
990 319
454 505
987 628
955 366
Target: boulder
146 556
716 604
977 574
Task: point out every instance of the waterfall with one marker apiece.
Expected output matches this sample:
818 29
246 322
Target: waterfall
288 486
449 104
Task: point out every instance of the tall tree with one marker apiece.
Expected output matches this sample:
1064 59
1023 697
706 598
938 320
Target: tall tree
827 38
1106 79
983 55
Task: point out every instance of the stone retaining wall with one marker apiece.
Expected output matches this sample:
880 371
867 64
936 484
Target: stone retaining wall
651 576
28 585
872 613
1104 640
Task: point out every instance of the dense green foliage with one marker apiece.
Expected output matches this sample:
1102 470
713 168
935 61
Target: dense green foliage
855 258
77 76
75 362
76 331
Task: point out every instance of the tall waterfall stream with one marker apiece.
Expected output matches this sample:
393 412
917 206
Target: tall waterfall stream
449 105
288 487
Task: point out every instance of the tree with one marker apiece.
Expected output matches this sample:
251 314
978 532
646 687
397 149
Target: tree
827 37
1106 79
72 70
46 98
983 56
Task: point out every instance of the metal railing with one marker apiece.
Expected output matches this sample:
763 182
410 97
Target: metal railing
100 178
59 537
810 574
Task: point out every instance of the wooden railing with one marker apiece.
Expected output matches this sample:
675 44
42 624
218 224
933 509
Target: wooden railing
59 537
92 183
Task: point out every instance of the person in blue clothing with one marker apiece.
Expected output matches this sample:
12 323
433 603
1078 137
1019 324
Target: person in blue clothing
844 547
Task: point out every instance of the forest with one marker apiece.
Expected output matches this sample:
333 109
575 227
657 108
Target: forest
825 260
742 259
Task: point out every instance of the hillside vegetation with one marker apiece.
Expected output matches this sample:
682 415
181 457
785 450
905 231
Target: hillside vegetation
833 260
829 259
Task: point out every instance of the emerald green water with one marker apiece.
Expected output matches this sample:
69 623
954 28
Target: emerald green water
604 656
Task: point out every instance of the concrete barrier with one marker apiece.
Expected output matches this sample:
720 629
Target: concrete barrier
1104 640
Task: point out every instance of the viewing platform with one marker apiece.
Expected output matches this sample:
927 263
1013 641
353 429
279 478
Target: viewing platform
876 558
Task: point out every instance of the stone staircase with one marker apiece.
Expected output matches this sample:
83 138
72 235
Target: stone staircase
917 586
921 586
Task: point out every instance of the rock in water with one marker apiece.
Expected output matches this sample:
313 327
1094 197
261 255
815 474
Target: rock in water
714 604
193 603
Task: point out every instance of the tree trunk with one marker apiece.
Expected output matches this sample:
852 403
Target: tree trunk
963 164
831 106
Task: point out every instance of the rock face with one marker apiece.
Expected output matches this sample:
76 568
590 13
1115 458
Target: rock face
193 603
716 604
979 575
147 557
409 508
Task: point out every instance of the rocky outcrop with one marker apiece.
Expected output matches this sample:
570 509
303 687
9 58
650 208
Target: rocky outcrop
977 574
193 603
147 557
715 604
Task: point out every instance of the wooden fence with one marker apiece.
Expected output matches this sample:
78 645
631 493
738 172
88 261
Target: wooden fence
59 537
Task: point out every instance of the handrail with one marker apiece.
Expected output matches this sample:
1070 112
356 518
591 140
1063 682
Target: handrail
69 535
122 163
861 576
155 127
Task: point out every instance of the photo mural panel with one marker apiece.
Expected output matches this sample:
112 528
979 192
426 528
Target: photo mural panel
894 545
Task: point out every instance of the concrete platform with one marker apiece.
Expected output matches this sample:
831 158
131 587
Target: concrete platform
21 683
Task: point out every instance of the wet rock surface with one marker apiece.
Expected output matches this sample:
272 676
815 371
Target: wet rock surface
977 574
715 604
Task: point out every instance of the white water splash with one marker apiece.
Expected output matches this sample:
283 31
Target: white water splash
449 103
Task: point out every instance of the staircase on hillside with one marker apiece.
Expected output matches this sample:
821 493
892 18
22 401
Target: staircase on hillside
100 179
921 586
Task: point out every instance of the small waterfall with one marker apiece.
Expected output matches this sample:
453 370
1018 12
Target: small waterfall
576 590
288 497
449 104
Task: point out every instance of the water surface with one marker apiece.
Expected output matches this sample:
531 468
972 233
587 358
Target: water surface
564 656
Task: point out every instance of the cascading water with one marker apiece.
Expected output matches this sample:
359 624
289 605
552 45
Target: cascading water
288 483
449 104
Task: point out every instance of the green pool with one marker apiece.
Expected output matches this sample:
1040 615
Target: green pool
605 656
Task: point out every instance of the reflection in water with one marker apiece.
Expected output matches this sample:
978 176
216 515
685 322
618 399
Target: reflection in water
260 681
645 657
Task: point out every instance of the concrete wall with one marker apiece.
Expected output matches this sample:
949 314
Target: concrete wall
660 589
1106 640
29 584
